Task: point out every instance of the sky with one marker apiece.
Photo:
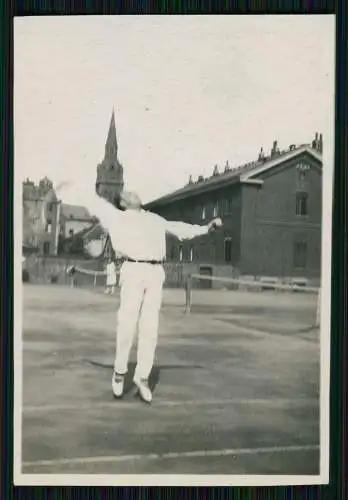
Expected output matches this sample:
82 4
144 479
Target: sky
189 92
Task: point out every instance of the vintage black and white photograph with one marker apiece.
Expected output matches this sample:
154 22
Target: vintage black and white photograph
172 208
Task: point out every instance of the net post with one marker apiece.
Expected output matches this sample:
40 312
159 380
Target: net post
188 290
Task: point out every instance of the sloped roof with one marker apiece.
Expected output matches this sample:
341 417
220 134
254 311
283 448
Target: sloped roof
92 232
76 212
244 173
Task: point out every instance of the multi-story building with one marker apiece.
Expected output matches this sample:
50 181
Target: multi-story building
40 219
271 210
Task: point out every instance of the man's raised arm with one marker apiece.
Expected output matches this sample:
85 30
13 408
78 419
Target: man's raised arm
185 231
85 194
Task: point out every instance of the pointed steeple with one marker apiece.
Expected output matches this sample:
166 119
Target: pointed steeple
111 141
110 170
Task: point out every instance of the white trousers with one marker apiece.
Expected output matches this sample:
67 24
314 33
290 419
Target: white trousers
141 296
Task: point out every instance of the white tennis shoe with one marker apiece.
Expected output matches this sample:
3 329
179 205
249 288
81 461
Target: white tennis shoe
117 385
143 388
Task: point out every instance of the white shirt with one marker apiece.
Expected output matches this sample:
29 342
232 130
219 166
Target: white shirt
137 234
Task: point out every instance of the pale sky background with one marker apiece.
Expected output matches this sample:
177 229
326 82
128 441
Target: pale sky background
188 92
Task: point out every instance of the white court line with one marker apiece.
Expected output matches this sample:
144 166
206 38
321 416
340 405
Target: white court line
183 454
119 405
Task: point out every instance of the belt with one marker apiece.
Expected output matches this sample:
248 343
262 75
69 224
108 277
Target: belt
153 262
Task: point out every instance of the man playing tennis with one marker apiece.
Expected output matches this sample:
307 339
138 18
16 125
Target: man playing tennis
140 236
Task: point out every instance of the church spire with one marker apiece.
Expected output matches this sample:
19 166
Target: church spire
111 141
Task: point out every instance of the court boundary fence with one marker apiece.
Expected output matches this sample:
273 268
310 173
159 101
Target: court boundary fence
252 284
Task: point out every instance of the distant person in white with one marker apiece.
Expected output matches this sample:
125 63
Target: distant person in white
111 277
140 236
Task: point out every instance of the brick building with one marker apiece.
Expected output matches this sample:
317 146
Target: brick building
40 220
271 209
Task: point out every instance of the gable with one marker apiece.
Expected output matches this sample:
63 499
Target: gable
305 157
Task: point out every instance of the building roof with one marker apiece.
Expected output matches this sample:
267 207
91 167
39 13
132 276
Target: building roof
246 173
94 231
75 212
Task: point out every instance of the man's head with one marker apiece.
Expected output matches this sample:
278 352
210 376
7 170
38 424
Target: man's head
129 201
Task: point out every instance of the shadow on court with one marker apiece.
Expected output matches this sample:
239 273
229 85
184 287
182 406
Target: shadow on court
228 398
153 378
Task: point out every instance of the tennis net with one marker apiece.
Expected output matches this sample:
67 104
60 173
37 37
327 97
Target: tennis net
255 302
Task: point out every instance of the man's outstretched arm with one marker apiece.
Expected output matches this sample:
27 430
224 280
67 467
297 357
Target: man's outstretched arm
85 194
185 231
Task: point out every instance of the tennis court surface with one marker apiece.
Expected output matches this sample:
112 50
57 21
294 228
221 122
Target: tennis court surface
236 386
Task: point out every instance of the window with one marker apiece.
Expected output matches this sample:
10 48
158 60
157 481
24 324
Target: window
191 254
301 204
300 255
173 253
46 248
215 209
50 207
203 214
228 249
227 207
48 227
180 253
71 232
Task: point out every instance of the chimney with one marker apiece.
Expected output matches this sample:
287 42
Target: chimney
200 178
320 145
190 180
227 166
315 142
216 170
292 147
275 149
261 154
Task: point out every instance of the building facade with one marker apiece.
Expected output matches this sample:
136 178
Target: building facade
74 219
40 220
271 211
